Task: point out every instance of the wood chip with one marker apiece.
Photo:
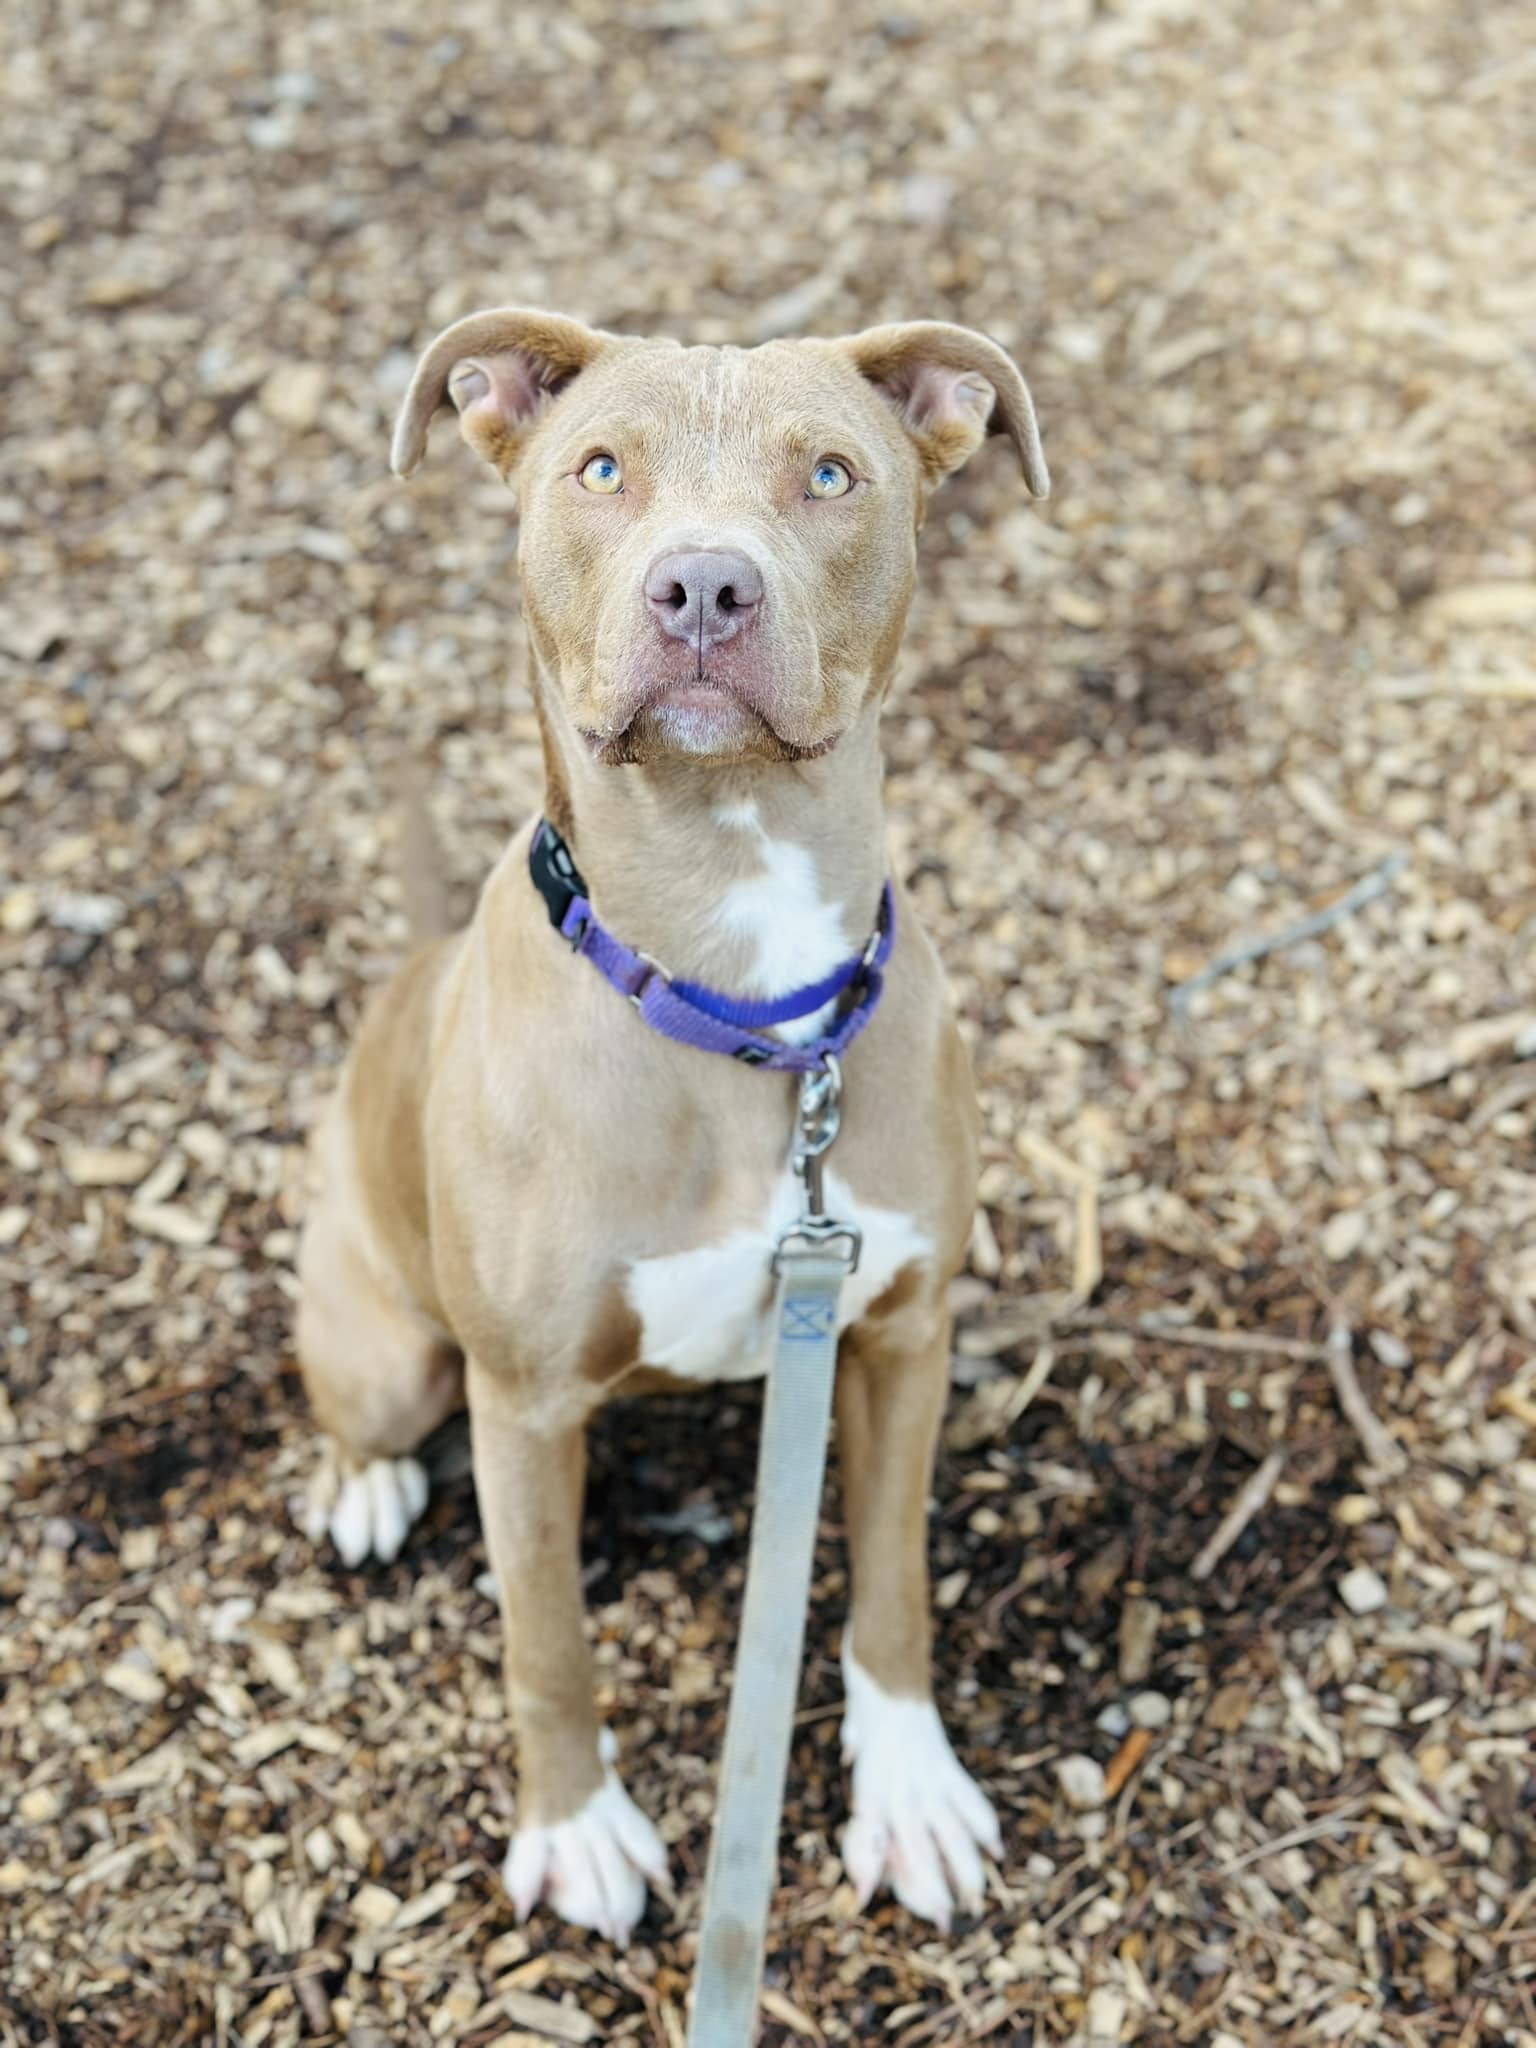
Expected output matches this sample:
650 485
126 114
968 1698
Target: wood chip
375 1906
425 1906
1363 1590
788 2014
134 1682
546 2019
1140 1620
104 1166
1484 604
1127 1758
1082 1781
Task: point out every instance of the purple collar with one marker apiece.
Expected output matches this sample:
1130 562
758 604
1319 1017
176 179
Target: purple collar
697 1016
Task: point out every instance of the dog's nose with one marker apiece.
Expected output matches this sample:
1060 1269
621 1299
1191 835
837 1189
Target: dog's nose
704 595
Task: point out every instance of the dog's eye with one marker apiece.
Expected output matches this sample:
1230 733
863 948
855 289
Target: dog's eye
829 479
603 474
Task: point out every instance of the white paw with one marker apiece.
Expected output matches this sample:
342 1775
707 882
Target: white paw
375 1508
919 1821
594 1867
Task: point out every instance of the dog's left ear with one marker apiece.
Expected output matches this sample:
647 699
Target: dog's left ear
498 371
952 386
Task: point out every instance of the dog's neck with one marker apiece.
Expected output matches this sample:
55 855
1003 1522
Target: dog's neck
753 878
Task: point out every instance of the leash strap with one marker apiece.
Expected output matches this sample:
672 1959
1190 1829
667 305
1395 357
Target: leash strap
744 1852
814 1258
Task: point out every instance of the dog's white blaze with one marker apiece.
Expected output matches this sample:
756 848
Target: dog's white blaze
920 1821
796 935
705 1314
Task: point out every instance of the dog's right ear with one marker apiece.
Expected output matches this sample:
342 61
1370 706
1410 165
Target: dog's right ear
951 386
498 371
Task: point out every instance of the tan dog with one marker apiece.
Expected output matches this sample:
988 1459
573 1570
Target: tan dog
528 1200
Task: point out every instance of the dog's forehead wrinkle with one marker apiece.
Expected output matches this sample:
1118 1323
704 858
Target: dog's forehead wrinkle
714 406
722 379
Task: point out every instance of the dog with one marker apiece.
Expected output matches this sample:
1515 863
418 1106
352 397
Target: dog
526 1201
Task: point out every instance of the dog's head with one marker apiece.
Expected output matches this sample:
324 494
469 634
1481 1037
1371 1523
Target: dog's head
717 544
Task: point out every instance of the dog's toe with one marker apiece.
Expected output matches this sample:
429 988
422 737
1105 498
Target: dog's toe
375 1508
920 1823
593 1868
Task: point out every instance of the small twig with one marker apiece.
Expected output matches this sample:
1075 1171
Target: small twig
1366 890
1073 1907
1040 1369
1087 1235
1517 689
1087 1243
293 1976
1474 2026
810 1717
116 1411
1294 1588
1125 1761
1511 1921
1251 1496
1312 1831
1072 1330
1382 1450
1299 1348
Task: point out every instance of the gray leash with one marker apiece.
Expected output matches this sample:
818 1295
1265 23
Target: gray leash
814 1257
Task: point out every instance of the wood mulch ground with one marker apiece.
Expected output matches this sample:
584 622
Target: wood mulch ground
1272 273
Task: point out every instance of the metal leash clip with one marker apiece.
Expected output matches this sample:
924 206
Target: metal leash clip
817 1123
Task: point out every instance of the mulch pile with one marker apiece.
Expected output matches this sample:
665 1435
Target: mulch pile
1270 1249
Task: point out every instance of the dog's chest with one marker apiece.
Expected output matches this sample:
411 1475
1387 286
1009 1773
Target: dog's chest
706 1313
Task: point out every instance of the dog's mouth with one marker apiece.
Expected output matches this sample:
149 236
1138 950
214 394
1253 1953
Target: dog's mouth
703 693
699 717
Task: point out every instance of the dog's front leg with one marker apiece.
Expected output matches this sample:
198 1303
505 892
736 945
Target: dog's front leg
919 1821
581 1842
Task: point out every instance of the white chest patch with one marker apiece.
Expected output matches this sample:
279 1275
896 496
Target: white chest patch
706 1314
796 934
